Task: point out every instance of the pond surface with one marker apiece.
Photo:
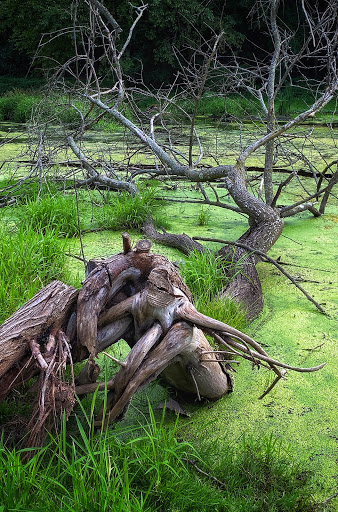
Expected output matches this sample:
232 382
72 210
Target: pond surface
301 410
310 147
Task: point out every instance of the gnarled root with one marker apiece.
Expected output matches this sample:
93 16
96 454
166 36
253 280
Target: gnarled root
136 296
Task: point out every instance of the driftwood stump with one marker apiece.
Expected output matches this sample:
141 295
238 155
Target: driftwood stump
136 296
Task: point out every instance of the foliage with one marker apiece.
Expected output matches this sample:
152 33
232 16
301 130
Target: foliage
232 105
165 23
16 106
225 310
28 261
54 212
27 190
206 274
122 211
29 85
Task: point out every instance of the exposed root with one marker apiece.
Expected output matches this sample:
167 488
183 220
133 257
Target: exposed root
56 397
136 296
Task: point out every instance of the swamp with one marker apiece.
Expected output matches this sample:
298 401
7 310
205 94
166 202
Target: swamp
168 261
295 424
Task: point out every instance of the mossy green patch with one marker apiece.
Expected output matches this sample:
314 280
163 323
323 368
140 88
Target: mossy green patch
302 409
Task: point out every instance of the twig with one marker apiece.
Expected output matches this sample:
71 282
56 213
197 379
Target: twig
76 257
193 463
335 495
83 389
277 379
121 363
228 361
314 348
196 386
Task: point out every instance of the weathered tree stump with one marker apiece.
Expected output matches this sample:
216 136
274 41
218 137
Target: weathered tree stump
136 296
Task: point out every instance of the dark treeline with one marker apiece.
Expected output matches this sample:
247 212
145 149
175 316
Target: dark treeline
165 24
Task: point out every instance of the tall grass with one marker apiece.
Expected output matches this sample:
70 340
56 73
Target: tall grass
123 212
51 212
28 261
147 468
206 276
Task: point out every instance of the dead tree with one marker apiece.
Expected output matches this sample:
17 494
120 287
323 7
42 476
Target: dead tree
264 80
136 296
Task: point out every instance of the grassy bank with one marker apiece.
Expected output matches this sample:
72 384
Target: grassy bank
18 97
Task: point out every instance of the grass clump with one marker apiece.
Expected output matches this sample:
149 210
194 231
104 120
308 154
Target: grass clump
203 218
206 276
54 212
124 212
28 261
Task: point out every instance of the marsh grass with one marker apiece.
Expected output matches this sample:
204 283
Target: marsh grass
27 190
206 276
146 467
129 469
123 212
28 261
204 216
51 212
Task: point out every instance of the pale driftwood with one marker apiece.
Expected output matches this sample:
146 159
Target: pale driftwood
136 296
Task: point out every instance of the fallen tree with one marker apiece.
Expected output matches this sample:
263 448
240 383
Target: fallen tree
136 296
97 91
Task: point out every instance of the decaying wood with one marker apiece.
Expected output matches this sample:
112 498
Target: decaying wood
50 307
136 296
